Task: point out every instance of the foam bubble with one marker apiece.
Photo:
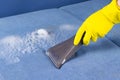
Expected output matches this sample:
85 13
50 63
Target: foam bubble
42 32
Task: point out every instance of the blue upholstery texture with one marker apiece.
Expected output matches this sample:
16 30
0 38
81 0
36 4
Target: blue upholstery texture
84 9
21 37
25 38
13 7
114 34
32 21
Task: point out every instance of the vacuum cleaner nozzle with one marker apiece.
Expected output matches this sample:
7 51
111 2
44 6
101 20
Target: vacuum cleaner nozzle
62 52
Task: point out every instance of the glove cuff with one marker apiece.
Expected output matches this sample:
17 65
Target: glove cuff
112 12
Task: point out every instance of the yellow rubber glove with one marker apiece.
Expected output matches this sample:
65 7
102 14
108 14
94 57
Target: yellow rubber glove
99 23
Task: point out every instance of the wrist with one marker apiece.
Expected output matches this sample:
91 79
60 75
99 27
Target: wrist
119 3
112 12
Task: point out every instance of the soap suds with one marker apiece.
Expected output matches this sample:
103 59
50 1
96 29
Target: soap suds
14 46
9 46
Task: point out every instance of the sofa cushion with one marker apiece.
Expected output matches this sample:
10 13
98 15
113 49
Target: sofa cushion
99 61
25 38
8 8
28 36
84 9
24 23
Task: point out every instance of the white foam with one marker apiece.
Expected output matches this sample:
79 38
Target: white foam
9 46
42 33
12 47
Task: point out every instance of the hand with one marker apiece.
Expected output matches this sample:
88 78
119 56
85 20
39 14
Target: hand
98 24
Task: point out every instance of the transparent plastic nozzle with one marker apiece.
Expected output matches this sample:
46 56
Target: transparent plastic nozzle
62 52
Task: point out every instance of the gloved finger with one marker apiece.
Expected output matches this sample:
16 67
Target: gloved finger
94 37
78 35
101 34
87 37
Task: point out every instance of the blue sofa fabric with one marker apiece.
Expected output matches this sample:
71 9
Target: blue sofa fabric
92 62
23 47
25 38
84 9
114 34
14 7
32 21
